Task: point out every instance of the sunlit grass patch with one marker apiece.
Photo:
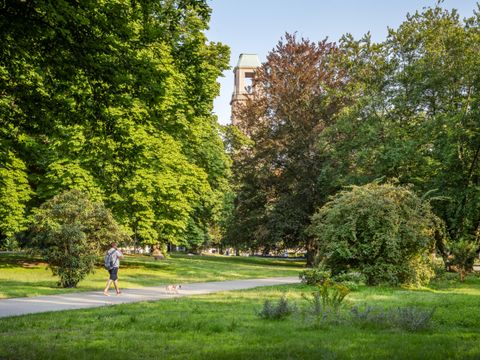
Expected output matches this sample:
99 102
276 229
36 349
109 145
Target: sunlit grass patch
226 325
21 275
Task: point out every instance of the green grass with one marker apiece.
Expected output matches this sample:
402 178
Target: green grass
225 326
22 276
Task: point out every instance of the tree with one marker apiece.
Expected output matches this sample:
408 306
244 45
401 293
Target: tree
384 231
415 114
70 232
14 194
463 255
114 98
299 96
435 92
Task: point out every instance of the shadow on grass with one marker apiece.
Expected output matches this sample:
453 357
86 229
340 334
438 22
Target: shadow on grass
8 261
18 288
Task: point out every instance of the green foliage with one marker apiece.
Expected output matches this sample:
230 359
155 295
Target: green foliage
463 255
352 280
279 171
278 311
439 267
70 232
384 231
413 318
14 194
354 277
119 108
405 109
315 276
415 117
324 304
332 294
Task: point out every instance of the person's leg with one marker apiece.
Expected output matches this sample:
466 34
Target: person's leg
114 277
117 289
107 287
109 281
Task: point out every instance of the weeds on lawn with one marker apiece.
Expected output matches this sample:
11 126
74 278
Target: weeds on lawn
368 316
323 305
412 318
407 318
332 294
278 311
316 314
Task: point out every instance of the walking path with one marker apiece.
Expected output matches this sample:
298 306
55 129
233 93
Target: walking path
21 306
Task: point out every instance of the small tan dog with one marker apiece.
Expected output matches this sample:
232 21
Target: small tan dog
173 288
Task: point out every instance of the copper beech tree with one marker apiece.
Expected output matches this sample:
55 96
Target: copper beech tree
298 94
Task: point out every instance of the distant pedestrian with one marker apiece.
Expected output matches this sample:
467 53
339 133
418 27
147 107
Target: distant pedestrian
112 263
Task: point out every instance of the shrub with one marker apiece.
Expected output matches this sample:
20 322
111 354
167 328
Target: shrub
384 231
438 267
315 312
332 294
463 256
71 232
406 318
323 304
314 276
352 280
369 316
412 318
354 277
420 270
276 312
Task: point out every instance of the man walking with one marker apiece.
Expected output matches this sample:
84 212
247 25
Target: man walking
112 263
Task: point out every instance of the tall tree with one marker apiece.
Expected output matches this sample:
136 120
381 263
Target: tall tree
114 98
299 95
416 117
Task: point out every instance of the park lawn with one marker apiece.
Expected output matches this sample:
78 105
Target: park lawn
225 326
23 276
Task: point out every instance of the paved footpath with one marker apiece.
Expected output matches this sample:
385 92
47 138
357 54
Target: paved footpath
82 300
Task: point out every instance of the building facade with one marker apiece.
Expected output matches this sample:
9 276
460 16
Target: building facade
243 86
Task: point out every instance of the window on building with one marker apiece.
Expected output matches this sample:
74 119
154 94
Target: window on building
249 82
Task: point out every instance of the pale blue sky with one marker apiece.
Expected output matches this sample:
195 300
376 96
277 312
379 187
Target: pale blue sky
255 26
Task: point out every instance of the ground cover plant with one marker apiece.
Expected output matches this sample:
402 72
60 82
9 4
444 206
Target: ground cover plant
22 275
226 325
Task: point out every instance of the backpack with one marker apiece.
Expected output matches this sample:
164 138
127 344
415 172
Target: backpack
109 260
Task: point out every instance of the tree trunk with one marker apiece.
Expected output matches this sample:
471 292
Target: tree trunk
311 247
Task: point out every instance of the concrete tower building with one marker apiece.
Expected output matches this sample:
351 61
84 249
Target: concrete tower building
247 63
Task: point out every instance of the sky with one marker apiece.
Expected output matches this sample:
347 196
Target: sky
256 26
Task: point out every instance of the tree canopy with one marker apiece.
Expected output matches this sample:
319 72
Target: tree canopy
300 94
416 114
115 99
334 115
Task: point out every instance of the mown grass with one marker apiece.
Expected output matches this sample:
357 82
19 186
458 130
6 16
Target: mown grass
22 276
225 326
